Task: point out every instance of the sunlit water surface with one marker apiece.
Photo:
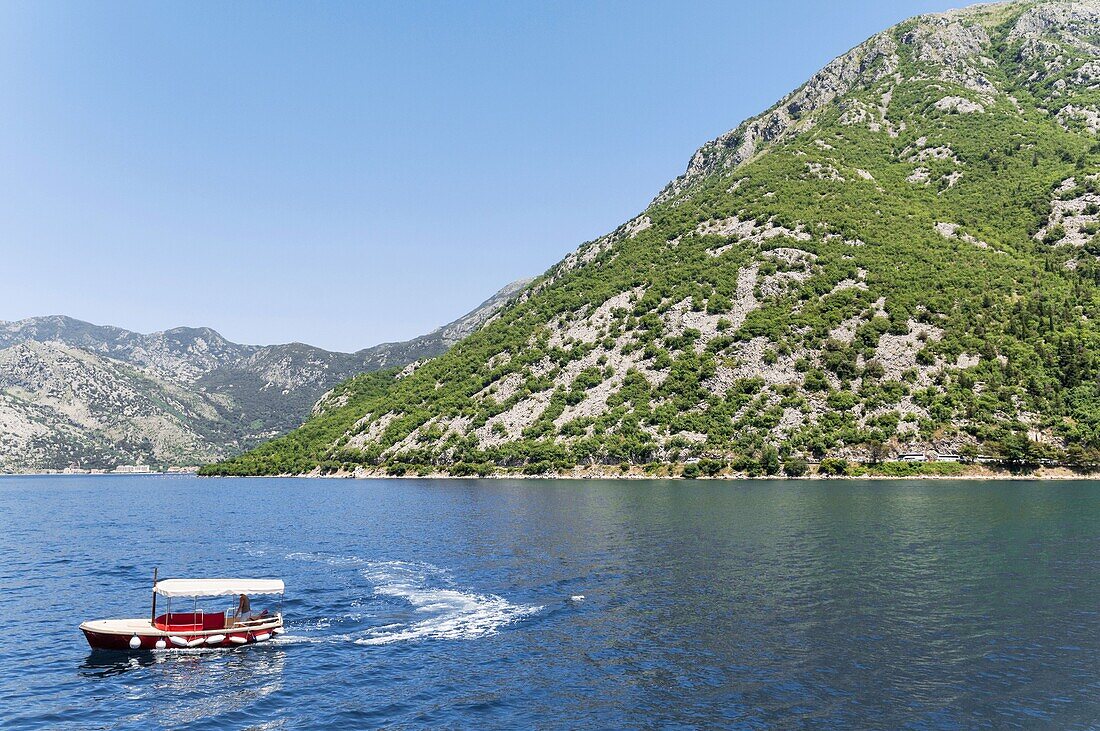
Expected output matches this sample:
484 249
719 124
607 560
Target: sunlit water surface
923 604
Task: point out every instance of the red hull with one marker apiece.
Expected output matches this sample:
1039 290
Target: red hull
105 641
147 638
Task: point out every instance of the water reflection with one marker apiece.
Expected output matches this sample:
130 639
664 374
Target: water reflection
187 686
108 663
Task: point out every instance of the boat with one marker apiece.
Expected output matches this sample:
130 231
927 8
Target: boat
195 628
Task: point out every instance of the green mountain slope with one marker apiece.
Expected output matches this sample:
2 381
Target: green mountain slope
901 256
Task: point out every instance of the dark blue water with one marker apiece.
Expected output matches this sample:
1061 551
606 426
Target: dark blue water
447 604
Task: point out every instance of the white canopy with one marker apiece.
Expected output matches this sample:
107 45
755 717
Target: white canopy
218 587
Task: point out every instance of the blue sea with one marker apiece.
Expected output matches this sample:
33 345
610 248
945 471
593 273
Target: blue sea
550 604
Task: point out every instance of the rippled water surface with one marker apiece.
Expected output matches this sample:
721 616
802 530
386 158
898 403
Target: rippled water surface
410 604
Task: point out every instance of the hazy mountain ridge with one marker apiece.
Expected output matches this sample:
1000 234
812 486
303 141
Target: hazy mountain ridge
64 404
899 257
73 393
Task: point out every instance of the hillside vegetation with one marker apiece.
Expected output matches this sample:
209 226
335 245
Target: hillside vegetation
901 256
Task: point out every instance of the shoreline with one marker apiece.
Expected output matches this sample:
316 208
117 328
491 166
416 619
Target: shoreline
972 472
1042 474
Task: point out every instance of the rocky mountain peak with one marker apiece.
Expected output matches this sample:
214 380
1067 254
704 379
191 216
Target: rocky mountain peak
954 46
1073 22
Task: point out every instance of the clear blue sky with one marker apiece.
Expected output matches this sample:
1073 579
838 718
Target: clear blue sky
348 173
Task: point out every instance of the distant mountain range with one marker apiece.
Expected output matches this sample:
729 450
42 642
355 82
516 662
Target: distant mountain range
73 393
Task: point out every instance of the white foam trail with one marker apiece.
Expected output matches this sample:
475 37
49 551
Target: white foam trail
249 549
291 639
322 558
449 612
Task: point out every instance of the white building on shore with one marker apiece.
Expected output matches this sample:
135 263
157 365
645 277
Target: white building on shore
132 469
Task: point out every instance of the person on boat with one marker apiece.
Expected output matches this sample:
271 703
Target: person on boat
244 608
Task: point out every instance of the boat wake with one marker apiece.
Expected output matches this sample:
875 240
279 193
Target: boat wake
439 608
448 613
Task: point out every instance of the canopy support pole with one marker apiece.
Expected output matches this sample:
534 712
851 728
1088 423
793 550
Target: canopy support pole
153 619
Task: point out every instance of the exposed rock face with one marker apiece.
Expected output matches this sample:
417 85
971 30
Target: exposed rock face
959 104
1074 218
1088 117
868 62
1044 25
72 393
